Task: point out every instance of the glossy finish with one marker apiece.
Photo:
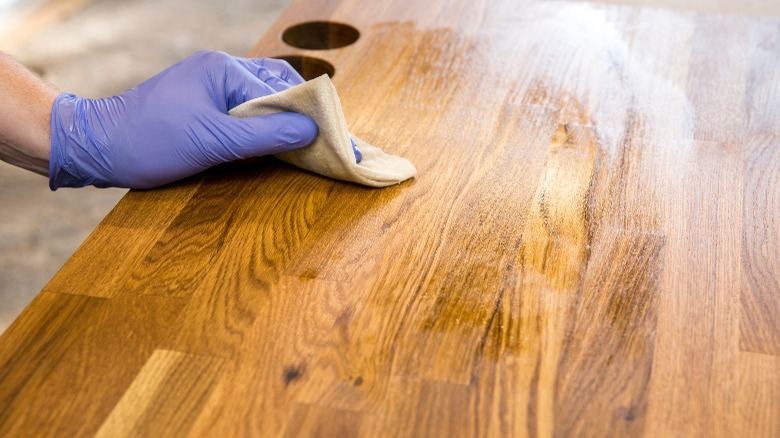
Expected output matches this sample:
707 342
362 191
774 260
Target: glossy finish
591 247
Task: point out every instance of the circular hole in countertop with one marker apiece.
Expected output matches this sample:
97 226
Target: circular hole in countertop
308 66
320 35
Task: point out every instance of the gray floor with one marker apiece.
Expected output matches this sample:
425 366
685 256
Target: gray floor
102 50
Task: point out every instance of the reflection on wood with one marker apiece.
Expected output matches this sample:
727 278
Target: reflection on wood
591 247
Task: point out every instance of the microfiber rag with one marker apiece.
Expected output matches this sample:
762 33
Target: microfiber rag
331 154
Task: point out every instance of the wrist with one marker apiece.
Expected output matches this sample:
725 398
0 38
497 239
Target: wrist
24 116
66 135
78 154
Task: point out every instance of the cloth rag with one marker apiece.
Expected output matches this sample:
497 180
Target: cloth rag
331 154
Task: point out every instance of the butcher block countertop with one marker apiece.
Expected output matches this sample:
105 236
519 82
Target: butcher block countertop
591 246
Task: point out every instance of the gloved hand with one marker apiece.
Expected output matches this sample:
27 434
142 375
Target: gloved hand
173 125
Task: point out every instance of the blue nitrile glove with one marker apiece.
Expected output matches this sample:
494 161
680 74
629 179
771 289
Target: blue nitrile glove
173 125
358 154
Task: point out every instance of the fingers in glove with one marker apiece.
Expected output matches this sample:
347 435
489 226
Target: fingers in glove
241 85
268 134
275 72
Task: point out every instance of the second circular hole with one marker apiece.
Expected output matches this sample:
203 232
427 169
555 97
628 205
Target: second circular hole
320 35
308 66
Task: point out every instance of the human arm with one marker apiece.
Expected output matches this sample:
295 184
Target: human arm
169 127
25 110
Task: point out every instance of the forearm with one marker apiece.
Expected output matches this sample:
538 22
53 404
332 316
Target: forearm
25 112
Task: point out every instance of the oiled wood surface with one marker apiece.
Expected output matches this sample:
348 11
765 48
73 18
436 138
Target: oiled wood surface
591 248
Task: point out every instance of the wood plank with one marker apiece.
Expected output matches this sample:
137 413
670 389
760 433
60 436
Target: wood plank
103 262
605 371
554 253
166 397
760 311
447 323
713 121
760 384
763 89
317 421
31 336
361 343
184 254
223 307
272 370
697 337
518 362
69 352
424 408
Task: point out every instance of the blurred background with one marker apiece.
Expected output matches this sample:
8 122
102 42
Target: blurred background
95 48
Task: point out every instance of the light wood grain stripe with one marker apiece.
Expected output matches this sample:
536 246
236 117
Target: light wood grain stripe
166 397
71 346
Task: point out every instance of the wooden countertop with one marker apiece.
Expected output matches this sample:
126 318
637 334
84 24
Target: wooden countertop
592 247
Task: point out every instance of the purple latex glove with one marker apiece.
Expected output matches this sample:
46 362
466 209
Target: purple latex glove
173 125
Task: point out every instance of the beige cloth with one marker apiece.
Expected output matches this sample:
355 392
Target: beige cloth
331 153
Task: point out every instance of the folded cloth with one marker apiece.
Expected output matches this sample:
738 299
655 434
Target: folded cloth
331 154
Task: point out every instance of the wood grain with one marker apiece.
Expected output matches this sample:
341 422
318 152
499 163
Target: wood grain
166 397
68 351
760 319
100 266
590 247
615 310
318 421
